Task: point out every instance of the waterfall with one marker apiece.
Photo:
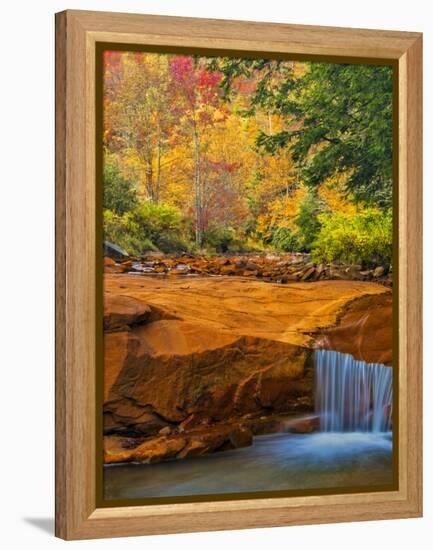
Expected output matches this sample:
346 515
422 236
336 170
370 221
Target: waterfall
352 395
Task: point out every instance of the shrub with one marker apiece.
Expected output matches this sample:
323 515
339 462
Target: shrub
164 226
220 239
364 238
285 240
119 194
308 220
123 231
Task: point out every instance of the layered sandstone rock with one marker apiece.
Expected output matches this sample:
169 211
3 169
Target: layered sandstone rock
168 372
230 305
122 311
195 365
364 329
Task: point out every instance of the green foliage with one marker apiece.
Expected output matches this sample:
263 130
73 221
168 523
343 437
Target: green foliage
308 220
346 112
265 96
285 240
122 230
164 226
148 227
343 116
219 239
119 194
364 238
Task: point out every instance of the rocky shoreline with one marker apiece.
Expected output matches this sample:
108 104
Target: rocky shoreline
195 365
196 440
266 267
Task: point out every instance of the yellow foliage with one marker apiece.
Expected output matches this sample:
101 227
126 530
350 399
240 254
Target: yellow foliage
281 212
200 154
333 194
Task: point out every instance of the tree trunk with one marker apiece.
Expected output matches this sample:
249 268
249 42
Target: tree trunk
149 181
148 171
197 189
270 123
158 171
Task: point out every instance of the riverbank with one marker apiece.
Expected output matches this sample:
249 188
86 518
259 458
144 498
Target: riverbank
276 268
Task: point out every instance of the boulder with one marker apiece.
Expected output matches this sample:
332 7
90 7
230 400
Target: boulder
118 449
308 273
195 447
304 425
114 251
157 449
379 271
123 311
168 445
320 269
241 437
110 266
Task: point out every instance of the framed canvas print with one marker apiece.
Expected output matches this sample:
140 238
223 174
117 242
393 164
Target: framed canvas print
238 274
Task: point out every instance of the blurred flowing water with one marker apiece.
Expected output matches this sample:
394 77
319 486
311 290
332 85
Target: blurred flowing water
274 462
352 395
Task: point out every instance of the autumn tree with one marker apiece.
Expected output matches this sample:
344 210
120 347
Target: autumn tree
119 194
197 95
136 115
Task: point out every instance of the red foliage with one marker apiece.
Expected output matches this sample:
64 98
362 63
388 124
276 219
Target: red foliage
181 68
112 59
223 166
138 56
194 82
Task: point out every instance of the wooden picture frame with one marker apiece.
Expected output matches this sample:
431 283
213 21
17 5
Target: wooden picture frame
77 302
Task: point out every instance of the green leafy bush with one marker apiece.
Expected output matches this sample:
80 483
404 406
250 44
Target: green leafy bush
308 220
119 194
125 232
285 240
364 238
220 239
164 226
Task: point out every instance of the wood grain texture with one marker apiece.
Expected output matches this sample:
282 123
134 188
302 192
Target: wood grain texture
410 269
60 262
246 35
75 284
77 32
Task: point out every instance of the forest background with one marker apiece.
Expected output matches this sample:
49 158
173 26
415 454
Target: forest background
225 155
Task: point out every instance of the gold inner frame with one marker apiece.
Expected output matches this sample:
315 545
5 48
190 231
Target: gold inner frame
100 47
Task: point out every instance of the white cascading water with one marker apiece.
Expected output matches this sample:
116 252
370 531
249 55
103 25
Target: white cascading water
351 395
